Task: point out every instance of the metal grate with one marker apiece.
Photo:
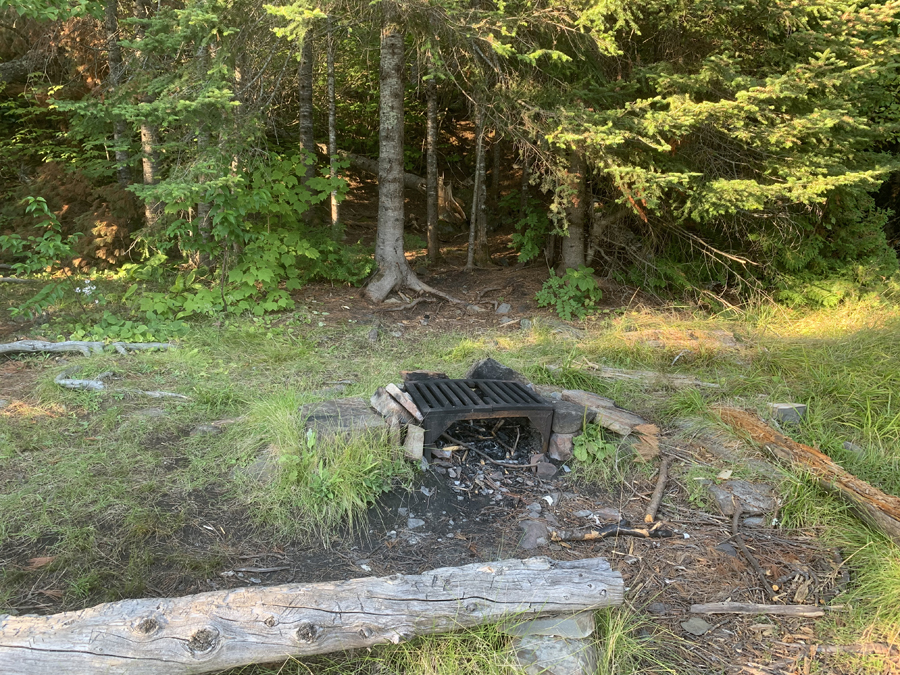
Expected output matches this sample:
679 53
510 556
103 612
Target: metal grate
443 402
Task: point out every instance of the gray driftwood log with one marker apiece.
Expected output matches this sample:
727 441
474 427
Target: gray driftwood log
226 629
86 348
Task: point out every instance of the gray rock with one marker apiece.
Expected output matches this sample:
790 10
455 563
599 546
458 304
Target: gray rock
341 418
534 534
206 429
583 514
790 413
372 335
727 549
608 513
534 507
526 324
504 308
149 412
550 655
413 523
570 418
756 498
657 608
413 448
561 446
852 447
579 625
489 369
696 626
545 470
3 403
755 521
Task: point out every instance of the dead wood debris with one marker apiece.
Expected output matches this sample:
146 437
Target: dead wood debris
655 501
63 380
809 611
880 510
739 540
83 347
621 529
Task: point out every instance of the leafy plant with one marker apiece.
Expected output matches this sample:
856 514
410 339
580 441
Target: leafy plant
591 446
575 294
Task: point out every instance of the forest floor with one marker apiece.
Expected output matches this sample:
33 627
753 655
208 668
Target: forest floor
108 495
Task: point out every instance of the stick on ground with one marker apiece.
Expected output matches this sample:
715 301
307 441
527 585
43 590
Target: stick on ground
752 608
655 501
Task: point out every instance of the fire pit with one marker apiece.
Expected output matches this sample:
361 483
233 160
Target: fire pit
443 402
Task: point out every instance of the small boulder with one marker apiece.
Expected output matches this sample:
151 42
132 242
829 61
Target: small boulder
579 625
489 369
504 308
755 498
552 655
570 418
788 413
561 446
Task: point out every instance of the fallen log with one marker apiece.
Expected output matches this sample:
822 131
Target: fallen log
85 348
649 377
809 611
880 510
227 629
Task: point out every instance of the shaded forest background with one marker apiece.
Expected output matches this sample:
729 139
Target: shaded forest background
200 150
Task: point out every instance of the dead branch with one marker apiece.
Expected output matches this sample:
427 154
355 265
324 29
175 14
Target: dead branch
82 347
410 305
487 457
880 648
621 529
739 540
653 507
880 510
16 280
809 611
96 384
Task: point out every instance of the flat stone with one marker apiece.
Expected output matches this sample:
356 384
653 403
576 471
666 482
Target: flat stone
206 429
789 413
696 626
413 523
341 417
489 369
583 514
526 324
727 549
3 403
534 534
504 308
413 448
372 335
580 625
570 418
755 521
149 412
561 446
657 608
608 513
551 655
756 498
534 507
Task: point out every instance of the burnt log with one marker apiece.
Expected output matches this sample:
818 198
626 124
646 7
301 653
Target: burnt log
232 628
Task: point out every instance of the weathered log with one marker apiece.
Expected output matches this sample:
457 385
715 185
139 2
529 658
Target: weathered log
880 510
226 629
86 348
649 377
810 611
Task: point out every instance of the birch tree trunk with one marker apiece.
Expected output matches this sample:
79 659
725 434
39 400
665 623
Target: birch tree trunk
332 130
305 94
114 58
153 208
478 190
431 176
393 269
573 243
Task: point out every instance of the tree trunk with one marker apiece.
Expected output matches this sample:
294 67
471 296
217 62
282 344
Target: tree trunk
526 181
305 72
393 269
114 57
431 177
478 190
153 208
227 629
494 194
332 132
573 243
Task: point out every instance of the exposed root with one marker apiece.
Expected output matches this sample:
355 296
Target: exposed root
63 380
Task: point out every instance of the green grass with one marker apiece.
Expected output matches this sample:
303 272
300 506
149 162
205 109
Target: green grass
95 481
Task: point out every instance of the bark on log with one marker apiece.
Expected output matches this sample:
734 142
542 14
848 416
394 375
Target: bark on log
86 348
880 510
648 377
227 629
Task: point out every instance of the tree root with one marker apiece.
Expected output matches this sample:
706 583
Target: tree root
395 276
85 348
